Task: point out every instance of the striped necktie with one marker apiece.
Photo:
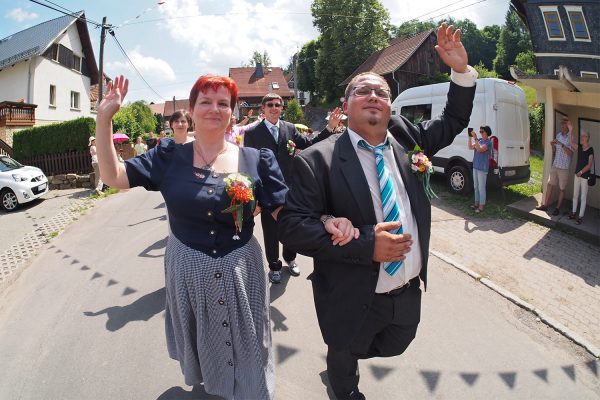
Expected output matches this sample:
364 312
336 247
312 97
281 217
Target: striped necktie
391 211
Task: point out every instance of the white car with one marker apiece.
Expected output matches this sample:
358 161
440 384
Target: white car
19 183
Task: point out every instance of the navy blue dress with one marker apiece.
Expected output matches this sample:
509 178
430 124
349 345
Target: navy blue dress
217 313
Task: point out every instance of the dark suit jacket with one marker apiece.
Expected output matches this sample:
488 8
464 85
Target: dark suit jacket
259 137
328 179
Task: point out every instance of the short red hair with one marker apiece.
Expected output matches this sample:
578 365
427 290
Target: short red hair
212 82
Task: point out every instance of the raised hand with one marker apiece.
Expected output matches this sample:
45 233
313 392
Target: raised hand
115 94
334 118
450 48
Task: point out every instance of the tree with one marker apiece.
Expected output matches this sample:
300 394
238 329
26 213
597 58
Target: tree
257 58
413 27
134 119
350 32
484 72
514 39
307 59
525 61
293 113
160 122
490 36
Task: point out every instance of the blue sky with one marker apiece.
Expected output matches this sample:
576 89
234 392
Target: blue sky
173 43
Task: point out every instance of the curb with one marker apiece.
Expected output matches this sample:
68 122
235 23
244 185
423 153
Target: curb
546 319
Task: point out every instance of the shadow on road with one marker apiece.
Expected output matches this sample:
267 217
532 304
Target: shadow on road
178 393
160 244
142 309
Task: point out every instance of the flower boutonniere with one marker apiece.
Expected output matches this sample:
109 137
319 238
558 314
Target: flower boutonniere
291 147
239 189
421 165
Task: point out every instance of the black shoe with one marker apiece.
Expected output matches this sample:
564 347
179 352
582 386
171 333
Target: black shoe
542 208
356 395
294 268
556 212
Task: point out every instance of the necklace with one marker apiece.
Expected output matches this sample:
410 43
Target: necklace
208 165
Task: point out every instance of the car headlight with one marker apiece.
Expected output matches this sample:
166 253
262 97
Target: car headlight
19 178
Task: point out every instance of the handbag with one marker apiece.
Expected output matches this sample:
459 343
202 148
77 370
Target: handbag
592 178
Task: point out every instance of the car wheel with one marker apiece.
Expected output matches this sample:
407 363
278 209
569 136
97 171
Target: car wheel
8 200
459 180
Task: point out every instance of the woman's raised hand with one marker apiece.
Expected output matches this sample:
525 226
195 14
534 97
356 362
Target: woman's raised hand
115 94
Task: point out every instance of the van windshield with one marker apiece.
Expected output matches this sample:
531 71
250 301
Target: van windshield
417 113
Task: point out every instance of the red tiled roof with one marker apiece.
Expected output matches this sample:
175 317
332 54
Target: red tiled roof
157 108
183 104
250 86
392 57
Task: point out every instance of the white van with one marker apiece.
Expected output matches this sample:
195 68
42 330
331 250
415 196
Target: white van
499 104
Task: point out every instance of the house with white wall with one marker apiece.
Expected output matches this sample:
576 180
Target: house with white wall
48 69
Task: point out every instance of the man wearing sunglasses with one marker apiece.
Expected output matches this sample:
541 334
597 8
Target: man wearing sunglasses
367 293
274 134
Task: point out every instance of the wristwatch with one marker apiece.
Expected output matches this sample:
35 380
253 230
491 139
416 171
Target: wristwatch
326 218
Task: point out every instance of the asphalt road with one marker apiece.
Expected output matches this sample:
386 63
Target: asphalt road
85 321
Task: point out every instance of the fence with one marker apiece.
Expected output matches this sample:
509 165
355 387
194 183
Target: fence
77 162
5 149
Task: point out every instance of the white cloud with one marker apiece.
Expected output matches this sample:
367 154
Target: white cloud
152 69
227 37
20 15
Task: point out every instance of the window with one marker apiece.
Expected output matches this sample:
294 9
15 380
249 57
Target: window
52 99
275 85
76 63
75 100
578 25
52 52
588 74
553 23
417 113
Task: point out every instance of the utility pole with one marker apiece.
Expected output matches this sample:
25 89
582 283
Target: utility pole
296 73
101 67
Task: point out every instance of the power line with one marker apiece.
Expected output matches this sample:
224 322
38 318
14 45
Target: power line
67 12
112 33
437 9
457 9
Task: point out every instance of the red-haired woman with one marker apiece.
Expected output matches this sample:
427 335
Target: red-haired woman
217 306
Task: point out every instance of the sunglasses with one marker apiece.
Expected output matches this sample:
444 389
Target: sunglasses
362 91
271 105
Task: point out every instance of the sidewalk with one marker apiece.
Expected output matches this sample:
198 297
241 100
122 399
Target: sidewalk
552 272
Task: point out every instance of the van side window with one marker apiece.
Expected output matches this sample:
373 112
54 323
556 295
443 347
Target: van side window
417 113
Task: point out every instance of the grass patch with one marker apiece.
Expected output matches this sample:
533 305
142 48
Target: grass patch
107 192
51 235
530 93
497 198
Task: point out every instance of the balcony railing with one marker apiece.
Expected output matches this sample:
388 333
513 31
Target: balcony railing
17 114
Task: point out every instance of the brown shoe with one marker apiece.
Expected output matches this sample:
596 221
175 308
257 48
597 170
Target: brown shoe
542 208
572 216
578 221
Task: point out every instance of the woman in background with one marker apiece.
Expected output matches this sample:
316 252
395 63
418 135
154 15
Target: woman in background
481 162
585 161
180 123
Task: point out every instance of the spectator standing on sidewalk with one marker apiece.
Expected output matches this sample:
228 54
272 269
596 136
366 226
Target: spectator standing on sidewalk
562 150
139 147
481 163
585 161
151 141
97 181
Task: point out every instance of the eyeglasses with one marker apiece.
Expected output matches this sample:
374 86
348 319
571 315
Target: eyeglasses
362 91
271 105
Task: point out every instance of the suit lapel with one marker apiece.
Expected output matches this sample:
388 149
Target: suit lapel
356 179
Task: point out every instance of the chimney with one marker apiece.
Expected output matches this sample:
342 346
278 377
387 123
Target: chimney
259 73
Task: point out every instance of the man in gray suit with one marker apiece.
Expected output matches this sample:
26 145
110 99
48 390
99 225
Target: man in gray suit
366 308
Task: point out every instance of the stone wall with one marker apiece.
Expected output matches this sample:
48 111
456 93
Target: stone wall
70 181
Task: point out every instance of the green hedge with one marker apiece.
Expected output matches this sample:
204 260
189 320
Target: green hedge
54 139
536 125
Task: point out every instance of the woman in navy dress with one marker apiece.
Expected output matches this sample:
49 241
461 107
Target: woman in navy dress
217 307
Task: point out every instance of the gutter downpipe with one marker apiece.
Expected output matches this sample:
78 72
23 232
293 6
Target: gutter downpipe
397 83
29 81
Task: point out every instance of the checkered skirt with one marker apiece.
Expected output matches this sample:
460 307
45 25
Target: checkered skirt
217 320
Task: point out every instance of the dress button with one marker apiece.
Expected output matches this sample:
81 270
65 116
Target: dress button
221 302
209 213
214 251
212 232
211 191
228 343
225 324
218 275
230 363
